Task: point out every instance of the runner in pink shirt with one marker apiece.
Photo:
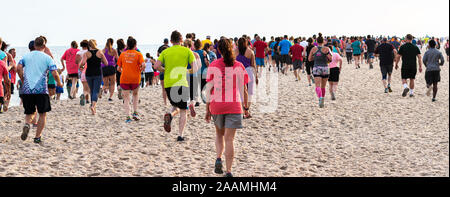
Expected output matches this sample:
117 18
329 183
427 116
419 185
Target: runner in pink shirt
335 71
69 58
225 88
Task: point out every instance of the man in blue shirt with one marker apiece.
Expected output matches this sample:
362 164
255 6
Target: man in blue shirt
33 70
284 47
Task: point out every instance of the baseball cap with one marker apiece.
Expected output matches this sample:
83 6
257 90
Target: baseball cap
166 40
208 37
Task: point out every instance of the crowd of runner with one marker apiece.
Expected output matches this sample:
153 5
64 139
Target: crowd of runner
191 71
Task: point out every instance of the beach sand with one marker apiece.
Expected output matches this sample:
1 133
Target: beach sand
364 133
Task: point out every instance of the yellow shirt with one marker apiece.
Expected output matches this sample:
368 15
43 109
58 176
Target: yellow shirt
206 41
176 60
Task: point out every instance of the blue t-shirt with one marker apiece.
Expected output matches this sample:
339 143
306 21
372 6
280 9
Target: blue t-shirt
36 66
285 45
2 55
272 46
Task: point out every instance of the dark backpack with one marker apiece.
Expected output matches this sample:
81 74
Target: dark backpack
276 51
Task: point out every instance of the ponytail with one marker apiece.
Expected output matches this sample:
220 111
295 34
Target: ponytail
226 49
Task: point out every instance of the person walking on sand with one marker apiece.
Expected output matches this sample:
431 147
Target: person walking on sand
68 60
247 58
93 59
192 79
309 64
284 47
260 48
409 52
109 71
5 93
161 75
176 60
321 56
386 52
357 52
225 106
131 63
335 71
433 59
120 48
297 52
84 98
149 72
32 70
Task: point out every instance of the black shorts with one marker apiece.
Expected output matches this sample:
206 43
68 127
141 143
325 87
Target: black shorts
386 69
356 55
149 77
178 96
334 74
2 101
108 71
51 86
432 77
285 59
31 102
73 75
409 74
309 65
297 64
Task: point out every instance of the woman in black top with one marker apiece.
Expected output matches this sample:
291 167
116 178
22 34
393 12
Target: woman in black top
93 59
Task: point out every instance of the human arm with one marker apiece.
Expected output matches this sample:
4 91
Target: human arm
313 50
209 87
57 79
7 84
102 57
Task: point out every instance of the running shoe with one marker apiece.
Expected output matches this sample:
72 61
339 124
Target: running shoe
37 140
405 92
180 139
411 95
82 100
333 96
167 122
218 166
110 100
321 102
390 90
128 120
429 91
228 174
433 100
136 116
25 131
192 110
386 90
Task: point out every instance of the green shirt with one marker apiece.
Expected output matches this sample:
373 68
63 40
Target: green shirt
176 59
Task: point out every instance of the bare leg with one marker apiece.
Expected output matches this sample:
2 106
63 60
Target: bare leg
183 119
164 94
229 147
73 92
219 142
135 99
126 102
112 85
41 124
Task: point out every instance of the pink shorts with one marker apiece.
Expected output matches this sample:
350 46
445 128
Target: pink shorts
129 86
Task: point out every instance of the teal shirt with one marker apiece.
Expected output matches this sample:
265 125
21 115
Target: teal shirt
356 47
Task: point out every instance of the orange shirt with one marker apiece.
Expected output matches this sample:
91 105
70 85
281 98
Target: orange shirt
131 62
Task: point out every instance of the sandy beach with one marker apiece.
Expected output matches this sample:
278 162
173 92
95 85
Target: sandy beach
364 133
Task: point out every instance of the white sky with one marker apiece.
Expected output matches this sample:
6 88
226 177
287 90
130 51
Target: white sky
62 21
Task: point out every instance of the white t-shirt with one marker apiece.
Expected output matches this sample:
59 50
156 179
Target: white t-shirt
148 66
304 44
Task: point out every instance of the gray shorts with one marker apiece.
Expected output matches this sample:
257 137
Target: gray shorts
229 121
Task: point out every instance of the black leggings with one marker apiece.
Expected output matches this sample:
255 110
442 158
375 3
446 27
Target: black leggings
349 57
